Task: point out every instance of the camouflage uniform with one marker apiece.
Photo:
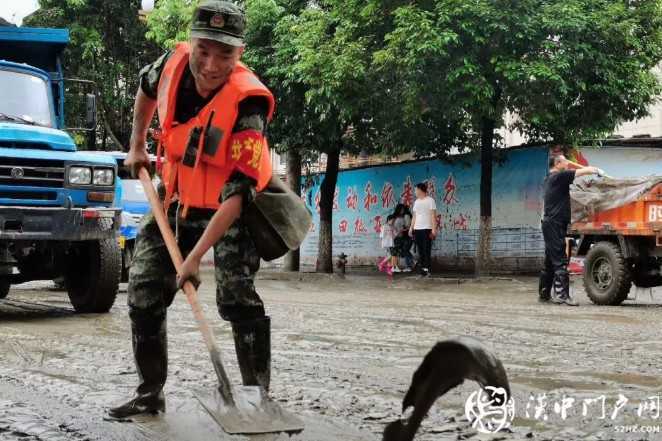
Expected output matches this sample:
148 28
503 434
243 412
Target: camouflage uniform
152 276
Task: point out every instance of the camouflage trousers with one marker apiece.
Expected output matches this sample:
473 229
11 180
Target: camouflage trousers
152 277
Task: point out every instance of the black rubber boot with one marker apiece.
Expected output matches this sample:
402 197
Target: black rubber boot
545 286
150 349
252 341
562 289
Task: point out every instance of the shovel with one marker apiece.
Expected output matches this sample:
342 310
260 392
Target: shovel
242 410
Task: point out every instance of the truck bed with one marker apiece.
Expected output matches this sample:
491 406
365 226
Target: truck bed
642 217
37 47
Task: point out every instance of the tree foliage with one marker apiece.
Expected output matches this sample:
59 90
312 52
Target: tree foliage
570 69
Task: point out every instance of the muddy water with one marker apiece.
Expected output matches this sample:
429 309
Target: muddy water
343 355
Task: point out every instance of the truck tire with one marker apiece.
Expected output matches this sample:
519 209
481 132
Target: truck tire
93 275
4 287
607 276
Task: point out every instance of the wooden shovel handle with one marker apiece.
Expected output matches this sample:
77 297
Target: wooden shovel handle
189 289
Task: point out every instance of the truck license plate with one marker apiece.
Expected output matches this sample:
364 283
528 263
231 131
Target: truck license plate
654 213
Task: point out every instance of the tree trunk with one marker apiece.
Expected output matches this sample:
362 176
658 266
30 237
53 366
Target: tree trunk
327 190
294 182
483 250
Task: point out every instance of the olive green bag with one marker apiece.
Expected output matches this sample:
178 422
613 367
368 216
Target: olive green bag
278 220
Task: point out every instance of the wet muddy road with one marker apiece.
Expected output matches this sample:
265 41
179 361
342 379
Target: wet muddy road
343 355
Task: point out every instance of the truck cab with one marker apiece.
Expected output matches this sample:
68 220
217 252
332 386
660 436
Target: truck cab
57 217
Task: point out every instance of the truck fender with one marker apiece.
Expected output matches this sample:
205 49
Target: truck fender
628 248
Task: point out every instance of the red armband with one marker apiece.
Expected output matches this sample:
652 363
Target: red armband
246 150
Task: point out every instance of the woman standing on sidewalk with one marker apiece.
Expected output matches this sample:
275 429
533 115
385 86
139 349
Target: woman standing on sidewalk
424 226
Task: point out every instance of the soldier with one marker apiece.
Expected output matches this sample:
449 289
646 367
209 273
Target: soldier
213 112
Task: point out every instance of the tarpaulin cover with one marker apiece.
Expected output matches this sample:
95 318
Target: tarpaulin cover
595 194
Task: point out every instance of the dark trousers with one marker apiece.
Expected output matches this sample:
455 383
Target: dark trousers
555 272
424 246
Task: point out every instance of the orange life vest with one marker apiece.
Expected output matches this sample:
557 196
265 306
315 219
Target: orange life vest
218 152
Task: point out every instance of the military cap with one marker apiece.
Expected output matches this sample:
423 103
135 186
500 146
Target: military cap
220 21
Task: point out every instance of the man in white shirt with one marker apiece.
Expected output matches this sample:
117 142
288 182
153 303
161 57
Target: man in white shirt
424 226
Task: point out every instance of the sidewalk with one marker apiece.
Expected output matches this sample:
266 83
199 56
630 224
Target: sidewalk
376 277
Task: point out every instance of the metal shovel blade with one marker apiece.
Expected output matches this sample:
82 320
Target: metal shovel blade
253 412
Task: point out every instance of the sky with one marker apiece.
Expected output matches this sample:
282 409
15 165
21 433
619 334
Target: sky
15 10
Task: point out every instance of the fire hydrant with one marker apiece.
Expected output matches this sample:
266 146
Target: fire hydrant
341 263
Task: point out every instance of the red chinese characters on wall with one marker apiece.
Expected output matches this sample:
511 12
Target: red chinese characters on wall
407 195
450 187
432 187
352 200
388 195
359 226
377 224
461 222
370 198
343 226
318 198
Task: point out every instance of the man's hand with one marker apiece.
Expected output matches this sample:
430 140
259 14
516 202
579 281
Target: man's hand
227 213
143 112
411 233
433 234
189 271
137 158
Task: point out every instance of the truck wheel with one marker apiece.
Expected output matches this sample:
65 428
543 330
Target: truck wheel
93 275
607 277
4 287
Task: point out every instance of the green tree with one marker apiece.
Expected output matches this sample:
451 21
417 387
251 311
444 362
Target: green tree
570 70
108 46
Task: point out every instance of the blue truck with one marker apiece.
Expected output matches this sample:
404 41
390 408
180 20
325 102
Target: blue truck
56 203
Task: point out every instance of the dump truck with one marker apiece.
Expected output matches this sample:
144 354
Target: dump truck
622 246
56 203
